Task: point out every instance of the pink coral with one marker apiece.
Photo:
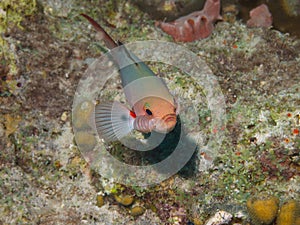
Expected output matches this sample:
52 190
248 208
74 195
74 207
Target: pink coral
194 26
260 17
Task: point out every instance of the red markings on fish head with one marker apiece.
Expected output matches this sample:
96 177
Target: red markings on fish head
132 114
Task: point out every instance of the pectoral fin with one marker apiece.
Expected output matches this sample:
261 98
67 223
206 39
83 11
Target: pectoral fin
113 120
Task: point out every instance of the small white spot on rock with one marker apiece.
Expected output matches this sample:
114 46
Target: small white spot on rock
64 116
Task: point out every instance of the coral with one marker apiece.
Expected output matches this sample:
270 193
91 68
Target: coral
260 17
264 210
194 26
289 213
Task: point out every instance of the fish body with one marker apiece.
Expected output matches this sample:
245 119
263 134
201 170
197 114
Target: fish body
153 108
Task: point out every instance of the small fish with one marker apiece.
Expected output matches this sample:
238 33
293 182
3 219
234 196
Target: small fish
153 106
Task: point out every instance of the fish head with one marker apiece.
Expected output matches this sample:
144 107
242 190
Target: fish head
160 112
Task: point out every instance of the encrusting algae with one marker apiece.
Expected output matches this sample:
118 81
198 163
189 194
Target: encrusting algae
263 211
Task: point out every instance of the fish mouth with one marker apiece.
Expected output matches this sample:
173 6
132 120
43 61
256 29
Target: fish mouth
169 117
166 123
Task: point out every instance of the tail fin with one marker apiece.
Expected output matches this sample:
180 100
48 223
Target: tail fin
109 42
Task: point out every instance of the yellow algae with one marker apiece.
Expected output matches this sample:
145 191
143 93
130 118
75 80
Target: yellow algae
137 211
126 200
289 213
263 211
11 123
197 221
100 200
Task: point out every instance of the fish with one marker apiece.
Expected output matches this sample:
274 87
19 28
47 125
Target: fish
153 107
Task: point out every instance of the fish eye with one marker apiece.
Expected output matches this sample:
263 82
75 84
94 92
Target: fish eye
148 111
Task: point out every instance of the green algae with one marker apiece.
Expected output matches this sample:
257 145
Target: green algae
11 14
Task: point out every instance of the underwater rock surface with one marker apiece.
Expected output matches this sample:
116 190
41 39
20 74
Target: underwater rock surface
44 178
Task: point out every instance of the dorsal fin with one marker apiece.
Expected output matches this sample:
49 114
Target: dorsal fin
109 42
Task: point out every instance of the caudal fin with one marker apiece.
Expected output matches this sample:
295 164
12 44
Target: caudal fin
109 42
